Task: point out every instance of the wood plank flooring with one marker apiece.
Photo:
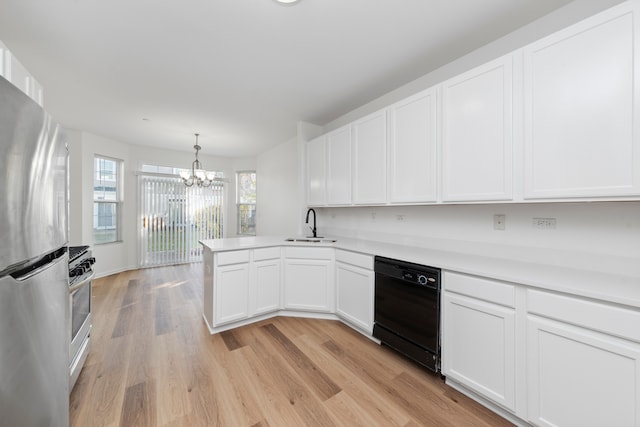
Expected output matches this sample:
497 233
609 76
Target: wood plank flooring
154 363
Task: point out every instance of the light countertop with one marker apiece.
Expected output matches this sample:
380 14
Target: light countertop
610 278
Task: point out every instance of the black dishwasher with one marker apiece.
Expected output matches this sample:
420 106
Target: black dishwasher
407 309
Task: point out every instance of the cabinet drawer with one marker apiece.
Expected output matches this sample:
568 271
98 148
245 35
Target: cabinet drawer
353 258
232 257
480 288
266 253
309 253
609 319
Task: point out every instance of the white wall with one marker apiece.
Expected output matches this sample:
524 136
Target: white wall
239 164
278 197
76 218
560 18
112 257
604 232
83 146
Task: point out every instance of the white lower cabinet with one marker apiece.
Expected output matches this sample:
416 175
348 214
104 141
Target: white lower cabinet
231 287
587 375
309 279
548 358
479 340
355 289
241 284
266 273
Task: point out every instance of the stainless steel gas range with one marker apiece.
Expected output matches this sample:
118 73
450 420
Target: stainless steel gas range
80 277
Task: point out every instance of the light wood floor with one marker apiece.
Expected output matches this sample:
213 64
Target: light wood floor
153 363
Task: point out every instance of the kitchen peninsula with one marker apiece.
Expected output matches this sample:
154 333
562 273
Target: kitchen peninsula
509 314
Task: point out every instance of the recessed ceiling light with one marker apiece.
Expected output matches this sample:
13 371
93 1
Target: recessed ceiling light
287 2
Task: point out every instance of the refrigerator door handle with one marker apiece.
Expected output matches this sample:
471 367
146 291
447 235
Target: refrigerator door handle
41 265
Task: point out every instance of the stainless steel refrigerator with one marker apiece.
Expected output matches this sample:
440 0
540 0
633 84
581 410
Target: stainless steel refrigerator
34 299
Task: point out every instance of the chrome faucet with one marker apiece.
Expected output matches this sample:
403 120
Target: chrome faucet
315 232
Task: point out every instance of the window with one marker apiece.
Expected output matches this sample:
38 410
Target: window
246 202
174 218
107 200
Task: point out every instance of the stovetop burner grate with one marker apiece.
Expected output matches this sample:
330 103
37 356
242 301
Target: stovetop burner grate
76 251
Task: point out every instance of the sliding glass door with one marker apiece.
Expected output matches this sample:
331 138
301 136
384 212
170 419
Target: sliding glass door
173 218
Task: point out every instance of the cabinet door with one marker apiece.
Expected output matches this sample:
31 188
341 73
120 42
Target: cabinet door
479 347
581 109
339 167
355 299
267 286
316 172
12 70
17 73
370 159
309 285
36 92
477 141
4 57
577 377
412 149
231 300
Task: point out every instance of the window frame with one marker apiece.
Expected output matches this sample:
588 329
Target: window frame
240 205
102 204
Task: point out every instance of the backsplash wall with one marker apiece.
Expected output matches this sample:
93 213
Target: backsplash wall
596 228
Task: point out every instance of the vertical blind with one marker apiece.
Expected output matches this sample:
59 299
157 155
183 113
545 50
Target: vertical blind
173 218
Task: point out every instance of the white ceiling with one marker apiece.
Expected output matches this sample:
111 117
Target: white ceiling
242 73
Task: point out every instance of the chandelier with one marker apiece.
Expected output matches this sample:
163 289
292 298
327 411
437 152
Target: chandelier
197 175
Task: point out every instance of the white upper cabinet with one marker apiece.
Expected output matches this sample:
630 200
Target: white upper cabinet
12 70
477 139
4 52
316 172
339 166
412 149
369 147
18 74
556 120
582 110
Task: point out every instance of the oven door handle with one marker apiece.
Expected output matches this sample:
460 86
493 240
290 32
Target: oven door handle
84 281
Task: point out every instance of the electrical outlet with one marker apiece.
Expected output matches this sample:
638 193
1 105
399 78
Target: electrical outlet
373 216
499 222
544 223
400 217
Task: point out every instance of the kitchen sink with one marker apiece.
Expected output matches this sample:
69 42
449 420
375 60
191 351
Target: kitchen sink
310 240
